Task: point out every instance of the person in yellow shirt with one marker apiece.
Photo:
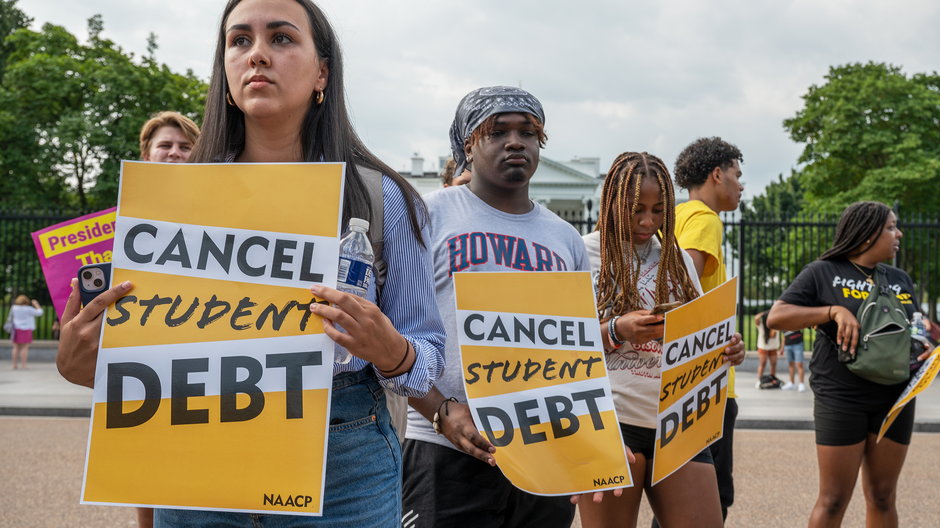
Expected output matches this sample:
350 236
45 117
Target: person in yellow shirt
710 169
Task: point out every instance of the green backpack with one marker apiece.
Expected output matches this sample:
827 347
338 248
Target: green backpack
884 341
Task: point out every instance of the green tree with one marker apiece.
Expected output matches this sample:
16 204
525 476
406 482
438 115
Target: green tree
781 199
70 112
11 19
870 133
779 239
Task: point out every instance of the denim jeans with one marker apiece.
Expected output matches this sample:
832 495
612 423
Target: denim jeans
794 353
363 469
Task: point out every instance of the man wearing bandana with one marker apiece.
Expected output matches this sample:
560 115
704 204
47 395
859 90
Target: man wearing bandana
490 224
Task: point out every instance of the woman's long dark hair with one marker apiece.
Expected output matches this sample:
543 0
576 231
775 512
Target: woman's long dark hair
858 230
326 133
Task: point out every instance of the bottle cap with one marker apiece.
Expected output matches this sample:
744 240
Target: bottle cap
360 223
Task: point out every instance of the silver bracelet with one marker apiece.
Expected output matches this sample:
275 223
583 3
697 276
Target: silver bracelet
612 332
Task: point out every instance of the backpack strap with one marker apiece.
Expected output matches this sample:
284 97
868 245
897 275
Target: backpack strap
373 182
397 405
881 282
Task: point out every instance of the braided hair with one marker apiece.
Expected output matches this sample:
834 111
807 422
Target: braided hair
620 264
857 230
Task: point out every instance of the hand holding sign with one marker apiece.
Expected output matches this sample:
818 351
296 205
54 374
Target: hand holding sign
458 427
598 496
81 331
734 352
367 333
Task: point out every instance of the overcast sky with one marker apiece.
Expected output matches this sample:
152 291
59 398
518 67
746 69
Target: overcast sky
612 75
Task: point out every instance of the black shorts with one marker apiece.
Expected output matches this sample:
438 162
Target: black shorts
842 427
445 488
642 440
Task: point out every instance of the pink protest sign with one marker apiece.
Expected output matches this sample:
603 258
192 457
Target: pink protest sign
67 246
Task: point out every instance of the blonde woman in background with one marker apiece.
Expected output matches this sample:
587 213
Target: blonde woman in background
168 137
23 316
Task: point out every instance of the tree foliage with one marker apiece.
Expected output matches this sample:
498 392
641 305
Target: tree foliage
870 133
11 19
70 112
775 238
781 199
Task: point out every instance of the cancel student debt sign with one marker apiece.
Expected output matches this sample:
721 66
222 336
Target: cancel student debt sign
694 382
534 373
918 384
213 381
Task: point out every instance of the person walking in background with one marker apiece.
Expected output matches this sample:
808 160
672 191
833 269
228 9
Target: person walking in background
449 179
168 137
768 348
710 169
848 410
793 349
23 316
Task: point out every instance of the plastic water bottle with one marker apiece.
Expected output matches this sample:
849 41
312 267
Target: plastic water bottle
355 266
919 339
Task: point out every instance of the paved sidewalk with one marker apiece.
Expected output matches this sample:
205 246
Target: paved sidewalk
775 475
40 391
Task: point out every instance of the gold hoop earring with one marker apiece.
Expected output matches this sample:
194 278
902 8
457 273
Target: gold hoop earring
228 99
321 96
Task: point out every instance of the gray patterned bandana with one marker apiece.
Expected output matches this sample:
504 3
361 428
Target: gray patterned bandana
480 104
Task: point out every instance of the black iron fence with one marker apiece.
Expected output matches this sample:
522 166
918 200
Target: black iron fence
20 272
583 225
765 253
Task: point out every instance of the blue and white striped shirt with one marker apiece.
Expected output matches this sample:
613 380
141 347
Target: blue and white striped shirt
408 299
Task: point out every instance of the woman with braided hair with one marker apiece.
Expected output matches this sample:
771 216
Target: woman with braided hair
637 264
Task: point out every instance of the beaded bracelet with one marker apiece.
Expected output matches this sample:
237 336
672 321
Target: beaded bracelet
612 332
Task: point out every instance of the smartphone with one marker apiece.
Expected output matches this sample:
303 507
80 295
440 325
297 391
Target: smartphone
665 307
92 280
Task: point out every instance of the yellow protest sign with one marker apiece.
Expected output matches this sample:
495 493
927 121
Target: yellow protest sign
919 382
212 387
533 369
694 381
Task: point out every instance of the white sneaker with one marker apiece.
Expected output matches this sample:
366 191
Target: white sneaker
801 388
788 386
757 385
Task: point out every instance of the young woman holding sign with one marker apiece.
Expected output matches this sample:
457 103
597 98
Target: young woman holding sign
276 95
848 410
638 264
